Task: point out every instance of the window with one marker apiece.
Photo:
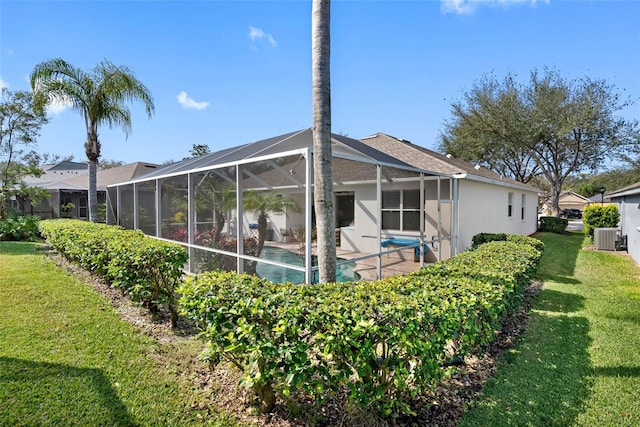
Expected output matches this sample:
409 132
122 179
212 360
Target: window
510 205
82 207
523 206
401 210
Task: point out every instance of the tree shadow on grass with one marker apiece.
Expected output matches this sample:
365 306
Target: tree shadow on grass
38 393
559 302
618 371
543 381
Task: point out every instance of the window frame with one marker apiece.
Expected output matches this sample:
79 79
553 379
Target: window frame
401 210
510 197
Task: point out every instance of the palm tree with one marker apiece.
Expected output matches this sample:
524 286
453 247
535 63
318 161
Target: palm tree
262 204
322 161
99 95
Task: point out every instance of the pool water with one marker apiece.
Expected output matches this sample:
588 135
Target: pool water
277 274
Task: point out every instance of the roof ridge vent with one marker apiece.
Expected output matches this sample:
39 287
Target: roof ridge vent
448 156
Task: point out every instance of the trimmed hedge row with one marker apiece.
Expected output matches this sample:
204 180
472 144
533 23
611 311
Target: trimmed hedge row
385 342
482 238
146 269
553 224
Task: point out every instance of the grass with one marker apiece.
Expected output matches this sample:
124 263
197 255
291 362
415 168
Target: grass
579 361
67 358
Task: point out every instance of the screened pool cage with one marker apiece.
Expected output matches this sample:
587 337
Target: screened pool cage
250 209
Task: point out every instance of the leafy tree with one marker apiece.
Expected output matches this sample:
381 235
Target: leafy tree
20 127
108 164
199 150
98 95
322 157
589 184
552 127
487 128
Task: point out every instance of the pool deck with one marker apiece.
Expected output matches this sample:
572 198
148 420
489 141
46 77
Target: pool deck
367 268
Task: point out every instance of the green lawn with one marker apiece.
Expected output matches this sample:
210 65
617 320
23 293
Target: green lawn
579 361
67 358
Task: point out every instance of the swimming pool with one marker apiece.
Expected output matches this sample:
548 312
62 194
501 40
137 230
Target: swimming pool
276 274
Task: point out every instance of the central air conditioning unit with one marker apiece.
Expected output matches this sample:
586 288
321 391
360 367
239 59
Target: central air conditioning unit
605 238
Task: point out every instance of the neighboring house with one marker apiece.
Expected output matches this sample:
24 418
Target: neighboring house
380 184
628 200
67 183
568 200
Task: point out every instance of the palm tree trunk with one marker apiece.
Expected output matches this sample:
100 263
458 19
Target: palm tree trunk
322 159
93 192
92 149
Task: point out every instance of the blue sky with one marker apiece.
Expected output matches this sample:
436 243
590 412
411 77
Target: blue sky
224 73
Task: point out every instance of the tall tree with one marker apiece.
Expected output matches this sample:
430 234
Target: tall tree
20 127
322 157
98 95
560 126
487 128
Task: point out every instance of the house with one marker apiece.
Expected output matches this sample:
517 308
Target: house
479 199
628 200
67 183
568 200
393 200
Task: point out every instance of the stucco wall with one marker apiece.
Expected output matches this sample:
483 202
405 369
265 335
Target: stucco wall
630 223
483 209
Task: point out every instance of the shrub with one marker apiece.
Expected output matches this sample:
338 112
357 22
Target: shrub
482 238
146 269
20 228
386 341
597 216
553 224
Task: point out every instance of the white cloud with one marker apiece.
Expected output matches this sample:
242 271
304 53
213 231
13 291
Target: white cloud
467 7
3 84
256 34
58 107
189 103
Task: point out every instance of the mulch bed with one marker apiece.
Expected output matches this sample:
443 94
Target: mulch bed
441 408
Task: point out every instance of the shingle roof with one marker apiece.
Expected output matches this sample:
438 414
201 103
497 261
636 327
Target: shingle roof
429 160
116 175
625 191
78 180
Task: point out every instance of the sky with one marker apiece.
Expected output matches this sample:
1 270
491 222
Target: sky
225 73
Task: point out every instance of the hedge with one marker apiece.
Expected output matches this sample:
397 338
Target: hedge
146 269
553 224
385 342
482 238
